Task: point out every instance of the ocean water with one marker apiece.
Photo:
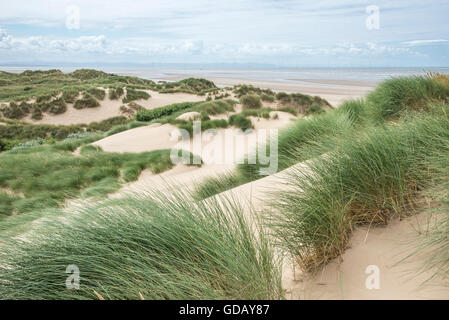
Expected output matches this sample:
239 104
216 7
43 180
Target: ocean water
284 75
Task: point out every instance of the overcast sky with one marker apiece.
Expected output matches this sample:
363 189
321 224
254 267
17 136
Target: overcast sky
277 32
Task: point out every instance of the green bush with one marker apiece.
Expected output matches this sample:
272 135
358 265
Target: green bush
289 109
156 113
16 111
58 106
268 98
251 101
283 97
314 109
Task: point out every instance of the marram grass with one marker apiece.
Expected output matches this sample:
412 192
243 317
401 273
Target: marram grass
147 246
366 179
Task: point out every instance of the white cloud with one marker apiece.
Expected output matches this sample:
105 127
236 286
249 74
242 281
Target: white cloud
415 43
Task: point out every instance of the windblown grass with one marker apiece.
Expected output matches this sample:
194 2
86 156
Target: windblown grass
367 178
144 247
395 97
45 176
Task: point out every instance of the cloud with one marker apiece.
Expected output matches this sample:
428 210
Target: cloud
415 43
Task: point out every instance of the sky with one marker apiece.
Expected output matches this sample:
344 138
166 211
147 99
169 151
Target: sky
290 33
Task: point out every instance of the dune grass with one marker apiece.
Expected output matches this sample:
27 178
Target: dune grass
47 175
251 101
144 247
368 178
395 97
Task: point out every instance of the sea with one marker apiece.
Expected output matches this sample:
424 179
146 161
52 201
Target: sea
335 76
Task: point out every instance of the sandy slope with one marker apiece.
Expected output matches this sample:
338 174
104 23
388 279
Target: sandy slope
345 277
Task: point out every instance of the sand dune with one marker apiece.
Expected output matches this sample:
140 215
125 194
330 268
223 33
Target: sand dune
111 108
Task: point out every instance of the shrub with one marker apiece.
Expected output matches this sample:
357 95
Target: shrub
15 111
156 113
283 97
216 107
36 113
268 98
251 101
240 121
314 109
86 102
58 106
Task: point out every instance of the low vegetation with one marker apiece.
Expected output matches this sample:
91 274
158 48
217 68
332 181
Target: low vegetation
158 247
46 175
251 101
132 95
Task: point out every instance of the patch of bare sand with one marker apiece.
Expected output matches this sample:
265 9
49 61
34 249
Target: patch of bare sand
150 138
141 139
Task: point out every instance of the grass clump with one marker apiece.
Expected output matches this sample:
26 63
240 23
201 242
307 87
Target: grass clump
251 101
205 125
97 93
58 106
267 98
156 113
158 247
395 97
240 121
70 95
314 109
87 101
216 107
132 95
